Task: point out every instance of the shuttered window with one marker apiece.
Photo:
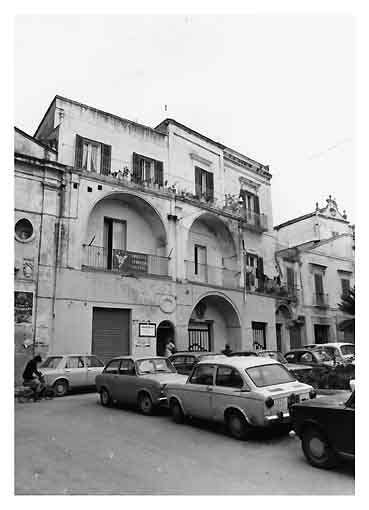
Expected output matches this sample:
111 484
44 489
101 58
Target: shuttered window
204 184
290 277
259 335
345 286
147 170
92 156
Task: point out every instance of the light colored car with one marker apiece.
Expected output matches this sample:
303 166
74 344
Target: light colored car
242 392
137 381
65 372
300 371
341 352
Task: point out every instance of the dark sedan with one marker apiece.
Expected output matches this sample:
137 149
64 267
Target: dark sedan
326 427
186 360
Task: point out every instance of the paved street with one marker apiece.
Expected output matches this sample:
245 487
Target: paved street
73 445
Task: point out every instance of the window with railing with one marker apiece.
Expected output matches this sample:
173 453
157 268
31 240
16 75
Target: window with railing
212 275
204 184
147 170
92 156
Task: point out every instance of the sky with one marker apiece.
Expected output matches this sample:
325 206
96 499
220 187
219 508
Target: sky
280 89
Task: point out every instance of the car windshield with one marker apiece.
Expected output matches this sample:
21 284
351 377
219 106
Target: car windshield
268 375
51 362
154 366
348 350
274 355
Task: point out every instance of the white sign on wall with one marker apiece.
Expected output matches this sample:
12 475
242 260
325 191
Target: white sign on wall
147 329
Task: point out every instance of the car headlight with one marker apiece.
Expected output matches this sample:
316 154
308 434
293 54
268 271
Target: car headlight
269 402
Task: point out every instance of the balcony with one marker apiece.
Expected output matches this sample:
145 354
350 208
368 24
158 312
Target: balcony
274 289
125 262
321 300
212 275
254 221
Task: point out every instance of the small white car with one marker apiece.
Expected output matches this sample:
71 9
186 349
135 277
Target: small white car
242 392
70 371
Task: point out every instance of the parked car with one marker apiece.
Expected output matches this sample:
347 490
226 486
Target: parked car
138 381
340 352
309 357
186 360
65 372
299 370
242 392
326 427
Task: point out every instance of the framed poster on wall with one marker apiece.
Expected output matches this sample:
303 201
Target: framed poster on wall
147 329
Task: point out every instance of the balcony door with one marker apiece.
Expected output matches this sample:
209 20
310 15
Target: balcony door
200 269
319 291
115 238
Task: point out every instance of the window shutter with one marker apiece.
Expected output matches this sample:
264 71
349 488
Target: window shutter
158 169
209 185
256 204
318 283
345 286
79 151
198 181
290 277
105 159
260 268
136 176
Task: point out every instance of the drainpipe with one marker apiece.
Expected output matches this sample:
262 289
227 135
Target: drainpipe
57 249
38 264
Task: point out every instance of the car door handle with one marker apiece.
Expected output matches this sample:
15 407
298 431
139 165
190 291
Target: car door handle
68 370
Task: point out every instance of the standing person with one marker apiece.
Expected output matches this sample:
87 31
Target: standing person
170 348
227 350
31 375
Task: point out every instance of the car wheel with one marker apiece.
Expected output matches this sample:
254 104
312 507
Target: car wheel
105 398
237 425
177 413
145 404
60 388
317 449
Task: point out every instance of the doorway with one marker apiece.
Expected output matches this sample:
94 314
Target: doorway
164 332
321 333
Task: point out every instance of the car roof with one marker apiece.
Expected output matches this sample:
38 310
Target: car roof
195 353
333 344
242 362
69 355
135 358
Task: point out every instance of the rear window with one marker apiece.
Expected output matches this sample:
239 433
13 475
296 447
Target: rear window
93 362
268 375
51 362
347 350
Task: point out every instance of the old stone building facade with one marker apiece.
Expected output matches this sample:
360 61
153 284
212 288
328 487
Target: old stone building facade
139 234
315 255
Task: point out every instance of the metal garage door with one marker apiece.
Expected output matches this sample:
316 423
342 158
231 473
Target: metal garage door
110 332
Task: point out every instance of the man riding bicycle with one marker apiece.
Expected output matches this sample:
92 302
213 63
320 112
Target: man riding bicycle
31 376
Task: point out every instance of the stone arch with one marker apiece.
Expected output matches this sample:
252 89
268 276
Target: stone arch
214 321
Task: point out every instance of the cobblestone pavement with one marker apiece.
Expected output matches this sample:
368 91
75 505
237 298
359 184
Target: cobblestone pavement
72 445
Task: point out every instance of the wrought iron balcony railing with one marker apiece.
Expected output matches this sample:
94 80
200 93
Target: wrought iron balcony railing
123 261
321 299
212 275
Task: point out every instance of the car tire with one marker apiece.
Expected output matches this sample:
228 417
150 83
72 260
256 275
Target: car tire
317 450
105 398
61 388
176 411
144 404
237 425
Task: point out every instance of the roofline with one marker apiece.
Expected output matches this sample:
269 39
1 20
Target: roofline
97 110
317 242
45 114
294 220
34 140
169 120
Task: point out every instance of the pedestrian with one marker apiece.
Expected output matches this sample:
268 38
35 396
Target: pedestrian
170 348
31 375
227 350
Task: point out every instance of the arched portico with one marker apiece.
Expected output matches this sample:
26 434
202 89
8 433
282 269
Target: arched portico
124 229
214 322
212 252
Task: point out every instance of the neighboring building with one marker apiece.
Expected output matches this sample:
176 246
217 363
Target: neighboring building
139 232
318 262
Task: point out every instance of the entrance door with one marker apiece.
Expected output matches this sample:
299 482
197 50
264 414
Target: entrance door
199 337
110 332
164 332
295 337
321 332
